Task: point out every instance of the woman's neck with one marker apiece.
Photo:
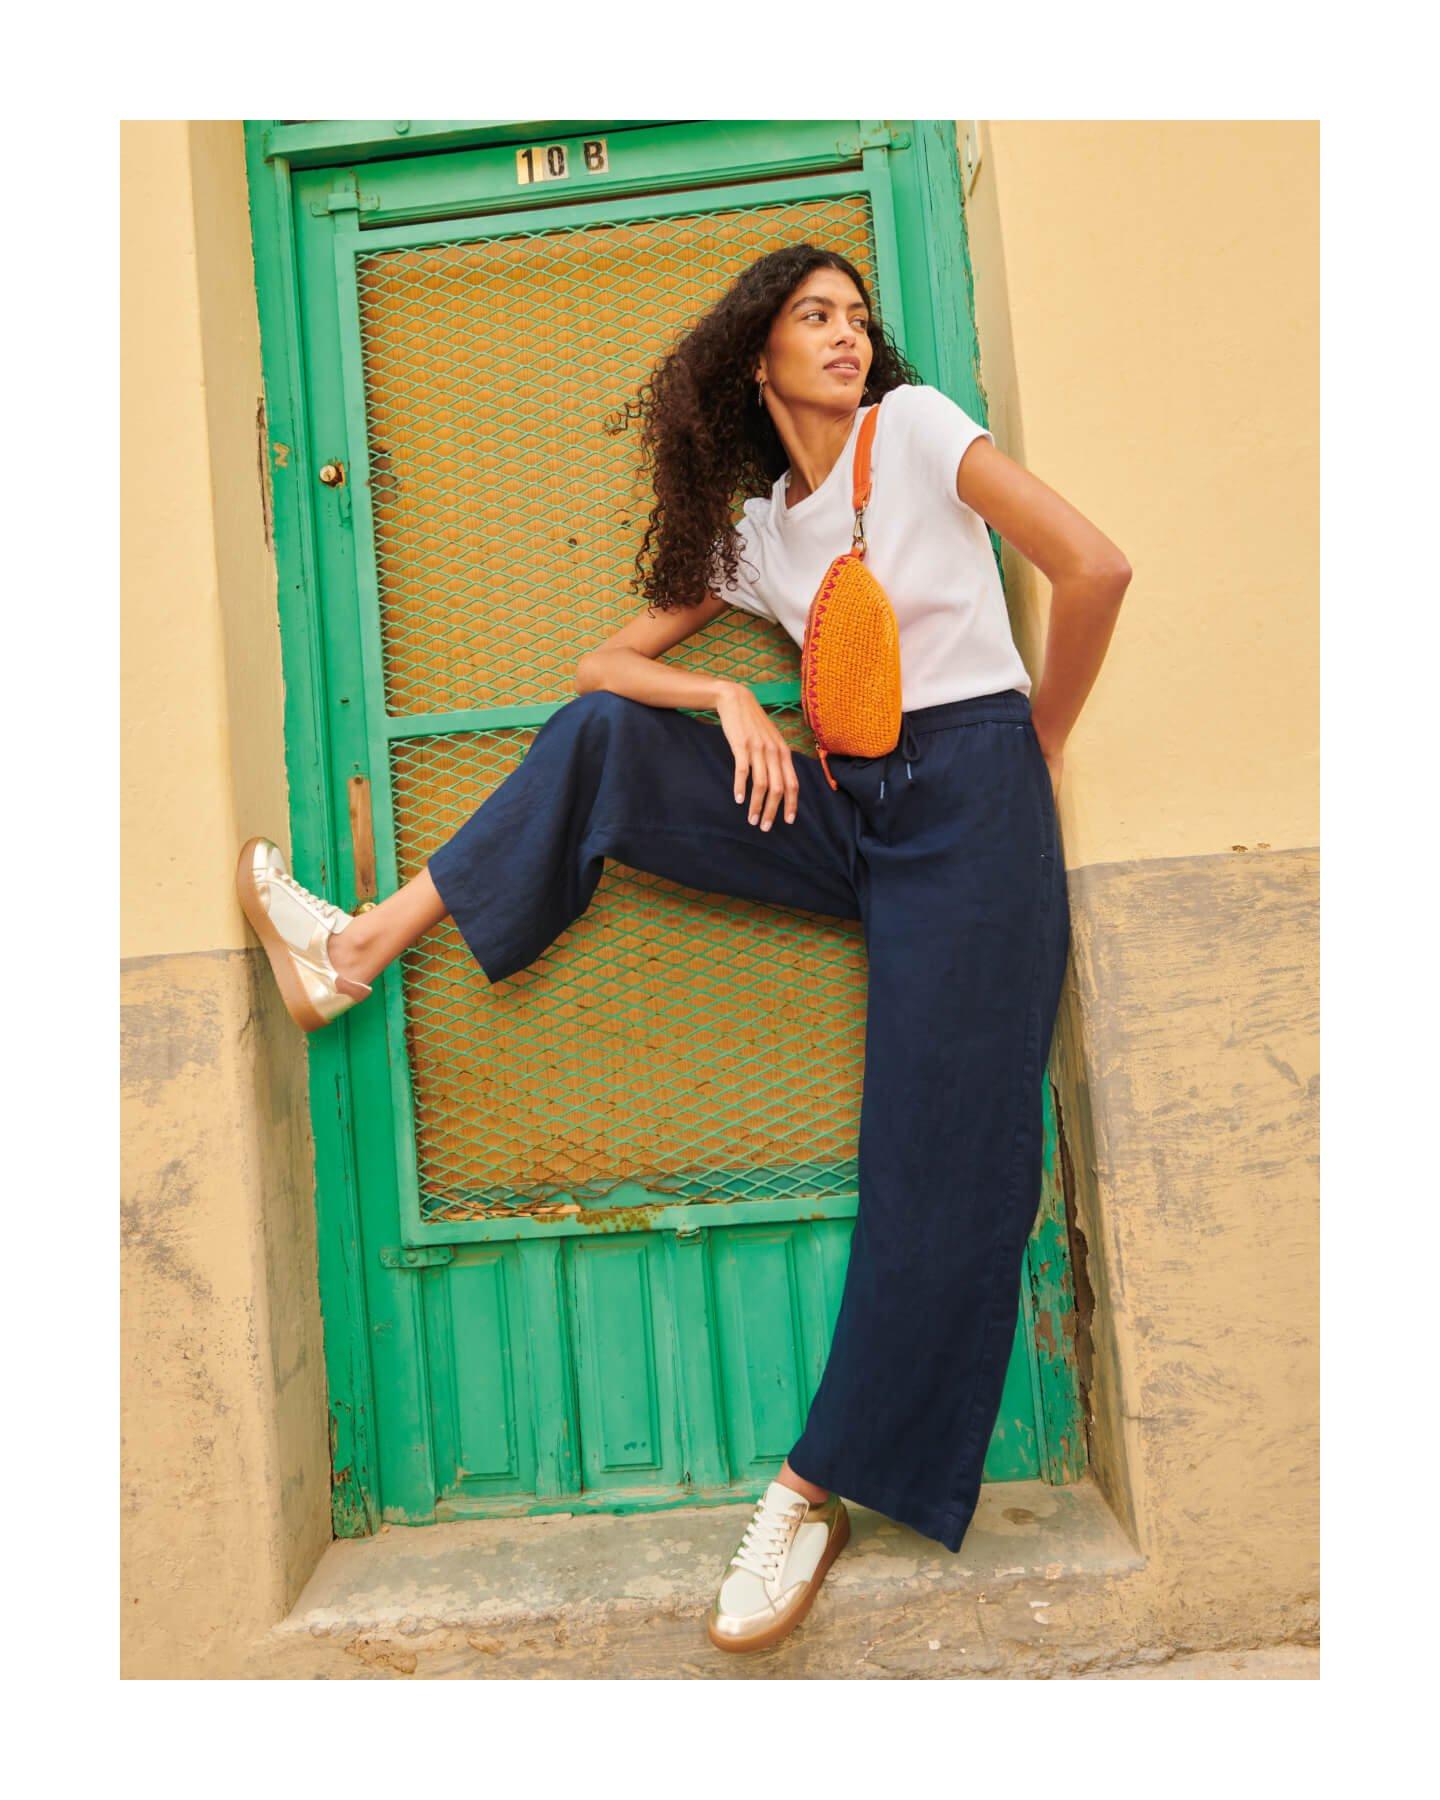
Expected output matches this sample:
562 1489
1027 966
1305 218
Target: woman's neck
814 442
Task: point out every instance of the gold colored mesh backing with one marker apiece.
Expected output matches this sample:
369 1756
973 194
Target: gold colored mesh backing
707 1047
506 518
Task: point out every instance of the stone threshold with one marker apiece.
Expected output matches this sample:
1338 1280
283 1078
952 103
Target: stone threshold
614 1596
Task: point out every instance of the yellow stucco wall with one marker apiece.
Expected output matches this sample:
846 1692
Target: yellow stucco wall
1147 299
199 644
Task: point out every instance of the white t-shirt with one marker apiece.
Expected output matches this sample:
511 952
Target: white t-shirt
929 551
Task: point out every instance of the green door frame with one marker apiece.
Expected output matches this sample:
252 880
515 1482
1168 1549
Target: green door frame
921 161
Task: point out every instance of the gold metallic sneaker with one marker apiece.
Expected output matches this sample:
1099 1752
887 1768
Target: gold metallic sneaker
295 927
776 1573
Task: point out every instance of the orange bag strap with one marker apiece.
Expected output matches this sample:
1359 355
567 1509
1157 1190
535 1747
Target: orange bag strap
860 493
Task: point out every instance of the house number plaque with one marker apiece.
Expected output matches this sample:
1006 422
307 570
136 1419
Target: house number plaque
553 162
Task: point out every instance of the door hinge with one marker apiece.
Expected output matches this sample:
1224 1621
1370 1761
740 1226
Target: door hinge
878 139
345 196
410 1256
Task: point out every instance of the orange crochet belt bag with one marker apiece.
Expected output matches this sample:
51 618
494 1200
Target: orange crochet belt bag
850 657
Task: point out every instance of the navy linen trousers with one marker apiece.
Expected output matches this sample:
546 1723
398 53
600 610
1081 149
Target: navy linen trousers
947 850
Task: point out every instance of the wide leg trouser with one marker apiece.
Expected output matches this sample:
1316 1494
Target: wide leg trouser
947 850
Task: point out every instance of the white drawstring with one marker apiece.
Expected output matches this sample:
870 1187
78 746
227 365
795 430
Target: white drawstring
909 747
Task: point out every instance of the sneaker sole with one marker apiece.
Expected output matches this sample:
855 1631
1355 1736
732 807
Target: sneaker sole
292 989
762 1640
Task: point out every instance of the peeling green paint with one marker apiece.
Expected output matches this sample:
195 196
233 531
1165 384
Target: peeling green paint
1051 1307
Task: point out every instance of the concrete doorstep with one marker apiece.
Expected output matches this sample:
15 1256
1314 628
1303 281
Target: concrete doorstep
1037 1590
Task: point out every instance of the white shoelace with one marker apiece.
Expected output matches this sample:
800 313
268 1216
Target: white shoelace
332 916
767 1538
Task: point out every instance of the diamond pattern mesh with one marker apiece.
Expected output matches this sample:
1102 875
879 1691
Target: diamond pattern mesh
506 518
706 1047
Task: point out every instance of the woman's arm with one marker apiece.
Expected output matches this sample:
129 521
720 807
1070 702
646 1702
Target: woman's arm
1088 577
627 663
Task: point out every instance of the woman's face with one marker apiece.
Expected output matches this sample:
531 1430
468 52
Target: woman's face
818 352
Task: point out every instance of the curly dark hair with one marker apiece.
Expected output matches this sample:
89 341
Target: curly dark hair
705 444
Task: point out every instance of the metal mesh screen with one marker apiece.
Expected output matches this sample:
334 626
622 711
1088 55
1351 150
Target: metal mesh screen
705 1047
506 518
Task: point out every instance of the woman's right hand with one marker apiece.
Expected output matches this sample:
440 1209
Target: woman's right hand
761 755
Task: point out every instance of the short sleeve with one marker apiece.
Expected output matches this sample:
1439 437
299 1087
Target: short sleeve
745 593
939 433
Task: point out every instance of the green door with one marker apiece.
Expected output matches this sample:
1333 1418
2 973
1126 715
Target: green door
583 1233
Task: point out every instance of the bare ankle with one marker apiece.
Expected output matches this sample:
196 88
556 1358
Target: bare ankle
817 1496
347 953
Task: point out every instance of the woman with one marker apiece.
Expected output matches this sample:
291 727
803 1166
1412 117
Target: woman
946 849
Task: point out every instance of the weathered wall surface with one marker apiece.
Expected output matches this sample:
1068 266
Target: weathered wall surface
225 1467
1147 299
1196 982
225 1471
